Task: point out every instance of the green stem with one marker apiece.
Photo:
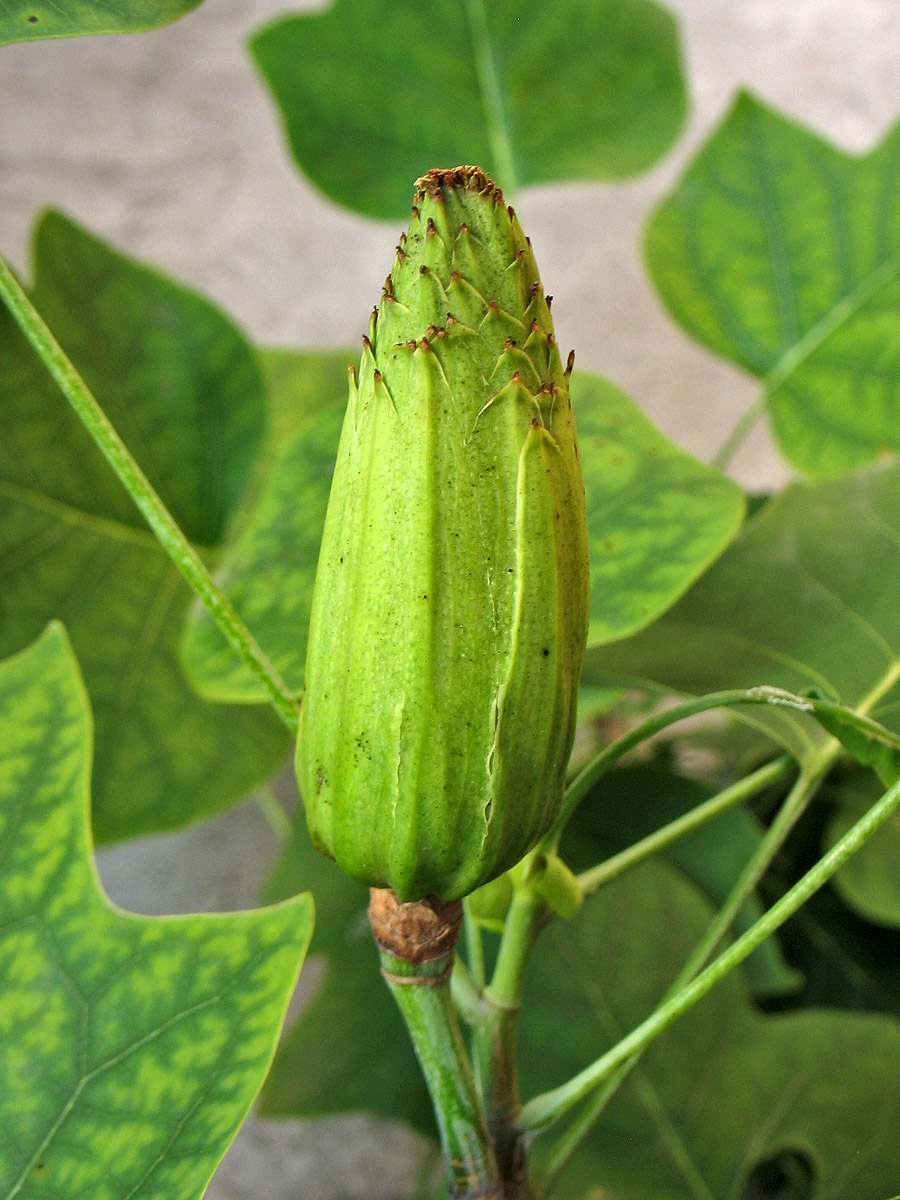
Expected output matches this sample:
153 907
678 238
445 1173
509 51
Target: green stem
791 809
158 517
543 1110
741 431
589 775
474 946
422 992
773 839
596 877
276 818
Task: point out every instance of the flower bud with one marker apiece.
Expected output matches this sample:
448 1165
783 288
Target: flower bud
449 614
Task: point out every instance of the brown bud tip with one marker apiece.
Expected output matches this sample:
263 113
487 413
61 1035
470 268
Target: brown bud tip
548 300
416 932
435 182
367 344
570 362
430 227
423 270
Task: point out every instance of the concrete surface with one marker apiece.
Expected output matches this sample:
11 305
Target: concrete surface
167 144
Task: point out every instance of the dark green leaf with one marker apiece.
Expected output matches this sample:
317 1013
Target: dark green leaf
23 20
656 518
783 254
374 93
130 1047
349 1050
631 803
181 384
806 597
725 1088
269 568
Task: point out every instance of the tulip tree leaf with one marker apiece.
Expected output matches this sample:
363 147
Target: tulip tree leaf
130 1047
711 856
782 253
726 1088
182 386
349 1050
656 519
24 20
806 597
269 568
571 89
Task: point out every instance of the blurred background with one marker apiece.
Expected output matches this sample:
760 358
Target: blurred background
167 144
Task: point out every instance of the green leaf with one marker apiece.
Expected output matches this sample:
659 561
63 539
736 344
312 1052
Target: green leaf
24 20
726 1088
804 598
269 566
571 89
782 253
349 1050
630 803
130 1047
182 386
656 518
869 742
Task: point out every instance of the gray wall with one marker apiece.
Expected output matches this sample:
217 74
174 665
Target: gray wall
166 144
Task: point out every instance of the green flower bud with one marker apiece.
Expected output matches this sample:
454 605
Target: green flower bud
449 615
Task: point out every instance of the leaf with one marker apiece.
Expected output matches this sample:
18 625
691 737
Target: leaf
269 567
868 741
656 518
782 253
24 20
349 1050
630 803
571 89
726 1088
804 598
181 384
130 1047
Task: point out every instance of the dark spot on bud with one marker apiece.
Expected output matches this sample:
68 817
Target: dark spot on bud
545 652
423 270
535 423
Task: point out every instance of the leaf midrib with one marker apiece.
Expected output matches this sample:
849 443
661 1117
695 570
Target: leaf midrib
839 314
107 527
491 94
